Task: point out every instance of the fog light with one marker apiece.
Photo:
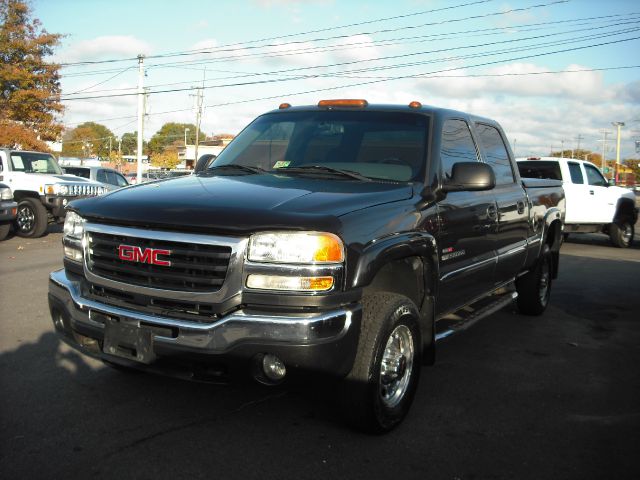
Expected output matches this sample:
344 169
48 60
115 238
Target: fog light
73 253
273 367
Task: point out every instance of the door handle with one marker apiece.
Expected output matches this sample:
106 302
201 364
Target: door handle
590 192
520 207
491 211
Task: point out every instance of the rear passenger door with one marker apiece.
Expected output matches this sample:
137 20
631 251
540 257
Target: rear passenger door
467 222
510 239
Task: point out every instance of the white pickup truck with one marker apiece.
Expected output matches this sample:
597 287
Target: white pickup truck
41 189
593 206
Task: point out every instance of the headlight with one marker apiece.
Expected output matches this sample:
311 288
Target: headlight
298 247
5 194
56 189
73 226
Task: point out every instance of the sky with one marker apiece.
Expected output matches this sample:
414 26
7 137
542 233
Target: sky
554 73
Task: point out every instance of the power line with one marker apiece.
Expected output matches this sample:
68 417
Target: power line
326 29
388 30
426 76
318 75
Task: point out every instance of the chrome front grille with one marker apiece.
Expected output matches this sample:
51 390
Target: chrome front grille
194 267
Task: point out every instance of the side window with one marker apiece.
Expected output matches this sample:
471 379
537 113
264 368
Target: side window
594 177
496 153
120 180
457 145
576 173
102 176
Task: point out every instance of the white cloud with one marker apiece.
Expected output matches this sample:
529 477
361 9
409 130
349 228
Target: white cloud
101 48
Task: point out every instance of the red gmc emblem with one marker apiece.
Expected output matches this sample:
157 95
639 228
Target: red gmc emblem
131 253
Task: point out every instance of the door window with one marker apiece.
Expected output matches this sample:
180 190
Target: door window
102 176
457 145
576 173
119 180
594 177
495 153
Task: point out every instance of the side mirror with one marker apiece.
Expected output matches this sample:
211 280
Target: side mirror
612 182
203 162
470 177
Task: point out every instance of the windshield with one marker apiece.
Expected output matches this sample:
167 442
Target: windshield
377 145
80 172
32 162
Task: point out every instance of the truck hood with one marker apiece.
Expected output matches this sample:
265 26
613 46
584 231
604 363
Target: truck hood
240 204
50 179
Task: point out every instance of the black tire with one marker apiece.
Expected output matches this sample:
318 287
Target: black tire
4 230
621 234
31 220
534 288
377 401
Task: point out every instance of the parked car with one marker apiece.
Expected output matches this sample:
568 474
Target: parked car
8 210
593 204
132 177
41 189
110 178
341 239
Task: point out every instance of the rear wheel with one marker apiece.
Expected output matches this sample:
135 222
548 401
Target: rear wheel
534 288
31 220
381 386
621 234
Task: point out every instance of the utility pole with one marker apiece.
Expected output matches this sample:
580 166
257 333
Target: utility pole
120 154
562 148
605 134
140 115
619 125
199 100
578 138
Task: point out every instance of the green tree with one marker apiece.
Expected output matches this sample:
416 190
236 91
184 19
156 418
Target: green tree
634 164
29 86
168 158
170 133
129 143
87 140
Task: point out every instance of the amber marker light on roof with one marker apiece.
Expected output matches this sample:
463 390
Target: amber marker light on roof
284 105
343 103
415 104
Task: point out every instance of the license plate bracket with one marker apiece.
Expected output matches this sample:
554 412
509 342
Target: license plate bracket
126 339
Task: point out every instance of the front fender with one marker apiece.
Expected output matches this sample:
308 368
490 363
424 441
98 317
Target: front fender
380 252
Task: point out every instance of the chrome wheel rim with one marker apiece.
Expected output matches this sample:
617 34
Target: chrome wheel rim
25 218
627 234
396 366
545 280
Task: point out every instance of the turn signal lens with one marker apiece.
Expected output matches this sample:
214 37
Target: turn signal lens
298 247
284 105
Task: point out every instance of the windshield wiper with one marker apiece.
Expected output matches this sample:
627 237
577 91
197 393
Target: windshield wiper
325 169
235 166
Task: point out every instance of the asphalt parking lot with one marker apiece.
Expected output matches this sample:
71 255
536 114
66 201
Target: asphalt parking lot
514 397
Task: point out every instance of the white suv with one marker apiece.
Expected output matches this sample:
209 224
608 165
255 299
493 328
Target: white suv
592 204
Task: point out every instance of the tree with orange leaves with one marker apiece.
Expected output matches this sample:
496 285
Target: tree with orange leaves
29 85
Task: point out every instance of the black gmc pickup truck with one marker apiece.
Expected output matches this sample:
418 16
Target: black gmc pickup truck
343 238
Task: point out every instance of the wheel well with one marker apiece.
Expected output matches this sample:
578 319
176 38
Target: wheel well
625 211
554 240
20 195
404 277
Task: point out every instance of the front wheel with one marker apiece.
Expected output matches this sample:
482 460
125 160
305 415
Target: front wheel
621 234
534 288
31 220
381 386
4 230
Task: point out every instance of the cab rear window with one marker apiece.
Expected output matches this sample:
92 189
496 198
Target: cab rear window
540 169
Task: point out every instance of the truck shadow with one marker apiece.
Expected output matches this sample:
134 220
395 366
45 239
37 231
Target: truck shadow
55 395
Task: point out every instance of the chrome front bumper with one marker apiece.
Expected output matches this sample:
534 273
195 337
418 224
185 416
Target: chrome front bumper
325 341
